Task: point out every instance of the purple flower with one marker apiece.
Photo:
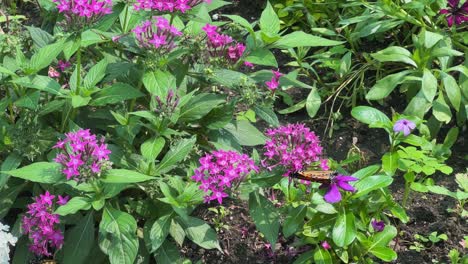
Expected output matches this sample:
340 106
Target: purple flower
378 225
41 224
157 34
333 194
456 13
293 147
82 155
325 245
62 200
405 126
222 46
78 13
168 5
219 170
273 84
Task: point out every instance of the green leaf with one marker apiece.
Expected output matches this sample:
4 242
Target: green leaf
152 147
394 54
79 241
71 45
199 106
371 183
40 37
431 38
241 21
265 217
200 233
452 89
79 101
29 101
369 115
344 231
294 220
302 39
429 85
167 253
441 110
95 74
125 176
262 57
74 205
367 171
44 57
39 82
10 163
117 235
231 79
176 154
41 172
267 114
159 231
245 133
159 83
384 253
418 106
386 85
313 102
8 197
116 93
269 20
390 163
322 256
293 108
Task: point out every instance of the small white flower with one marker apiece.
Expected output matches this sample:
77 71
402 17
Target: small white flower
6 239
215 16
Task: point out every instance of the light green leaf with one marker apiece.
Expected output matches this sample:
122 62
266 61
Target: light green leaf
95 74
159 231
452 89
39 82
384 253
265 217
269 20
152 147
199 106
344 231
441 110
117 235
44 57
294 219
74 205
262 57
267 114
385 86
371 183
313 102
125 176
176 154
369 115
429 85
394 54
322 256
390 163
302 39
11 162
245 133
200 233
41 172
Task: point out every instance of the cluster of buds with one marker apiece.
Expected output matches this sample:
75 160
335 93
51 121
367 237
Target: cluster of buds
61 65
222 46
219 170
42 225
168 106
168 5
273 84
83 156
157 34
83 12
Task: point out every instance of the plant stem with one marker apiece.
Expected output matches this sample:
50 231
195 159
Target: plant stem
406 194
78 71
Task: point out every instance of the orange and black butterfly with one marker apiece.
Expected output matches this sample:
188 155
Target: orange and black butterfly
48 262
316 176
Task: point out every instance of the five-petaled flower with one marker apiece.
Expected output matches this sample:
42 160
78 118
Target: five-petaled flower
333 194
405 126
455 12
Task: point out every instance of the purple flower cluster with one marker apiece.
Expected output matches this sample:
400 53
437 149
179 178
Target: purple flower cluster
455 12
168 5
293 147
378 226
219 170
82 155
333 194
223 46
273 84
84 8
157 33
41 224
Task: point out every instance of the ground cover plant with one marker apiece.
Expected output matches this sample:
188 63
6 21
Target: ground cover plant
209 131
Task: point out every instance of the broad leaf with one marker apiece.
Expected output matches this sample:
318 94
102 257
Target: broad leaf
385 86
152 147
313 102
41 172
267 114
429 85
265 217
245 133
199 106
79 241
371 183
159 231
369 115
73 206
116 93
125 176
269 20
344 231
200 233
10 163
302 39
177 153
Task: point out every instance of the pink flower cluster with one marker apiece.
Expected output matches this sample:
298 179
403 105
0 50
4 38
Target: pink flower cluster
41 224
157 33
84 8
82 155
168 5
222 46
273 84
293 147
219 170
